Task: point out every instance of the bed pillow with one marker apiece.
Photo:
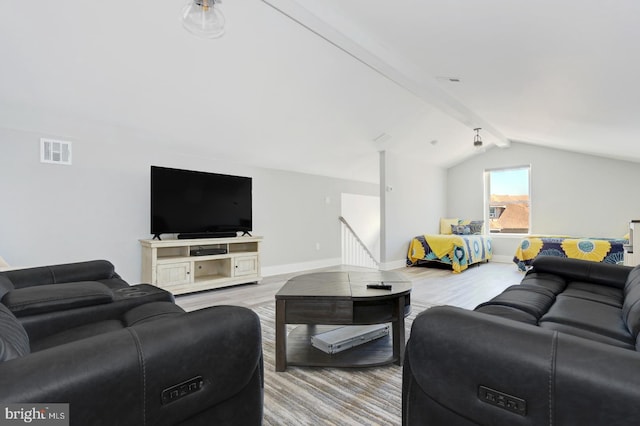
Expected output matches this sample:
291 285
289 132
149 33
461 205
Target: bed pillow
446 223
460 229
476 226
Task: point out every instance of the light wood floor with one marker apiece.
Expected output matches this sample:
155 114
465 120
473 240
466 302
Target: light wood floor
432 286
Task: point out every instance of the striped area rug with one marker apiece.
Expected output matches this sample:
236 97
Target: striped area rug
329 396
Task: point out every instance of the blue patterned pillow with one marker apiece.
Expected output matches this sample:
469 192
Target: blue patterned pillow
460 229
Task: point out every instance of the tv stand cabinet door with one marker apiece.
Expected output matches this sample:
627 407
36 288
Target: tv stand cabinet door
245 265
173 274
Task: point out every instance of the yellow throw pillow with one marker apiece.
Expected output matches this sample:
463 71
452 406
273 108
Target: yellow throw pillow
445 225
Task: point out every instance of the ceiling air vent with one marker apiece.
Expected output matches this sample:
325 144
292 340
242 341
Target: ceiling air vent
55 152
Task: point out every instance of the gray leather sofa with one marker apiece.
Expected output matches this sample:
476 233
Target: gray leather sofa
561 348
119 357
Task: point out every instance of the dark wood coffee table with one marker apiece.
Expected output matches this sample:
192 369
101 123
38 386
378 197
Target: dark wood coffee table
322 300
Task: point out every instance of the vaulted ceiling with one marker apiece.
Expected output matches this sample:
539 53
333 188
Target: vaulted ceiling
322 86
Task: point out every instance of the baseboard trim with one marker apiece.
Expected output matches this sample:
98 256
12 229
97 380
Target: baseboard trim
395 264
398 264
268 271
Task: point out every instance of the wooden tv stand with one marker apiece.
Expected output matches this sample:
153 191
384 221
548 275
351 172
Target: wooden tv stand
179 266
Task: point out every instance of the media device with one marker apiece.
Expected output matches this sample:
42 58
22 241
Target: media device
199 204
201 251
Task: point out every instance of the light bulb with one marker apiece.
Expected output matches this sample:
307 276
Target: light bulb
203 18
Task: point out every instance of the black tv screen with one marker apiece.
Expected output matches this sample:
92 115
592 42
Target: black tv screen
199 204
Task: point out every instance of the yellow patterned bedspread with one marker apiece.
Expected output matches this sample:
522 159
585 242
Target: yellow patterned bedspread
459 251
606 250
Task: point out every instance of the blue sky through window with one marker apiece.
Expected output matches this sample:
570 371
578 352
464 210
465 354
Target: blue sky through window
510 182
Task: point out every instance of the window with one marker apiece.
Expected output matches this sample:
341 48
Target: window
508 200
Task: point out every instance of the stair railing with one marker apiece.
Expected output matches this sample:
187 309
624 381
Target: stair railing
354 251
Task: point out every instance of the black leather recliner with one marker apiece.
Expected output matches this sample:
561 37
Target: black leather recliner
561 348
127 362
47 299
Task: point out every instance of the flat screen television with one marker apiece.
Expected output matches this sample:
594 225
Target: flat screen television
199 204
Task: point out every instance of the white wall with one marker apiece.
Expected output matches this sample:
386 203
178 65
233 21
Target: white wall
99 206
572 194
413 201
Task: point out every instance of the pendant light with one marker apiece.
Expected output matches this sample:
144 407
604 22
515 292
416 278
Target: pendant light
477 140
203 18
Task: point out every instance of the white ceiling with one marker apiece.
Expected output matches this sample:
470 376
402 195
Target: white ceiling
310 85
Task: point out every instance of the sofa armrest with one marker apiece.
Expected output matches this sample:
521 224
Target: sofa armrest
122 377
93 270
465 364
583 270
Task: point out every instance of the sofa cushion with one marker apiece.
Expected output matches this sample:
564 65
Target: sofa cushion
535 301
114 283
590 335
5 286
549 281
93 270
606 274
631 306
56 297
140 314
595 292
151 312
508 312
633 280
77 333
14 341
587 315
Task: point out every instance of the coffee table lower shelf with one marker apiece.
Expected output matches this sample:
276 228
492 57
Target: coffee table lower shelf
301 353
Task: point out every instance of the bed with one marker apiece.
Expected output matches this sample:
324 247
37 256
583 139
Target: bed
607 250
458 251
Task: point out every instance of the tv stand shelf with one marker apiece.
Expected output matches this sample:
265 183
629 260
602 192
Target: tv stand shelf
188 265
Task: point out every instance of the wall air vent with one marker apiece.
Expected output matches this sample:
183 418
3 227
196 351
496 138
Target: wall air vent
55 152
